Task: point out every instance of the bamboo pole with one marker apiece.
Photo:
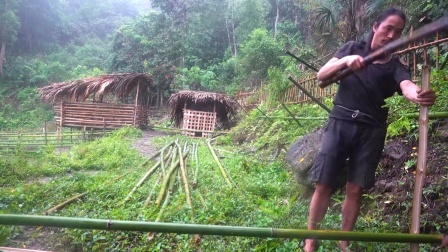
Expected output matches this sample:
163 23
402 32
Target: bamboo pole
183 169
140 226
290 113
309 94
184 176
65 203
431 115
195 155
221 168
143 179
421 160
166 179
153 189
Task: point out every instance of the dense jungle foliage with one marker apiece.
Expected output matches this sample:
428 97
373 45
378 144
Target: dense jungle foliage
212 45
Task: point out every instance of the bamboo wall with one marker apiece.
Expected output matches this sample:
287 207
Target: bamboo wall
100 115
198 123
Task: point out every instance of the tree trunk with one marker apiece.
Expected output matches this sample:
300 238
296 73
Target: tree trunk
2 57
276 20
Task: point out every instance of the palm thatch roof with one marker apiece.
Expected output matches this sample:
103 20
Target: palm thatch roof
225 107
120 85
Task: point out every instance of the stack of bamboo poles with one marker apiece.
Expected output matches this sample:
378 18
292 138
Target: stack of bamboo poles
170 171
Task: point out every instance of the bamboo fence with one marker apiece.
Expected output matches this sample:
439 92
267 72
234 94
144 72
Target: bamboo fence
33 141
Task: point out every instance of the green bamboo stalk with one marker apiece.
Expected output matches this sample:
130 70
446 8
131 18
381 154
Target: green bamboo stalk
153 189
184 177
167 199
195 150
143 179
141 226
431 115
166 179
223 172
65 203
201 199
161 150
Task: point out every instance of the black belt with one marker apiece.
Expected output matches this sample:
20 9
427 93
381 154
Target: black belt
363 116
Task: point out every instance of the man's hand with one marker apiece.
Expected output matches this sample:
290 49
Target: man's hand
426 98
354 62
445 241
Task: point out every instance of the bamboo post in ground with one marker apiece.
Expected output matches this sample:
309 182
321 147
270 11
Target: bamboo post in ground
221 168
421 160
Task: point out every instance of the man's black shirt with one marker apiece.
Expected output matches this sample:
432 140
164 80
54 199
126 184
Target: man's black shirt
367 88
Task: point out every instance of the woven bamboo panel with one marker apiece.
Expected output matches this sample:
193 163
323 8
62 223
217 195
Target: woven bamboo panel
198 123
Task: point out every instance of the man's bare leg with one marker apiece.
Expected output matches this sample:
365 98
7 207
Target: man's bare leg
318 209
350 210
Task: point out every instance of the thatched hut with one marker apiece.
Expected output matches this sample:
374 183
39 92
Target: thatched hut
80 103
199 112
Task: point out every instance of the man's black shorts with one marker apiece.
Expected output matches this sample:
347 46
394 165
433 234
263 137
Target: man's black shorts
361 143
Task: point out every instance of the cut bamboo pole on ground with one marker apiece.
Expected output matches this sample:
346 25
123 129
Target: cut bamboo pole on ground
184 176
143 179
421 160
140 226
195 155
65 203
165 182
221 168
152 190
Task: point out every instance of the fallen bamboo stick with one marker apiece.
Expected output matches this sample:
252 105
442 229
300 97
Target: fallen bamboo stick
166 179
153 189
185 180
221 168
65 203
143 179
195 154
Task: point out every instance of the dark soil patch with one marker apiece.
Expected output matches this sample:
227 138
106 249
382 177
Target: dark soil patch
394 189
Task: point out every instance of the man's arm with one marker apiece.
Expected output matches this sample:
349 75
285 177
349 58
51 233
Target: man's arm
335 65
413 93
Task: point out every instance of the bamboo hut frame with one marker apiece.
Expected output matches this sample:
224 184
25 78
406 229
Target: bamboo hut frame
79 103
198 112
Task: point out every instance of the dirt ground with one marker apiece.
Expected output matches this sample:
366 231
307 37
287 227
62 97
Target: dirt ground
144 144
395 184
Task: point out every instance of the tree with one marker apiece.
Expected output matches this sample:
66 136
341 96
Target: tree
258 54
9 24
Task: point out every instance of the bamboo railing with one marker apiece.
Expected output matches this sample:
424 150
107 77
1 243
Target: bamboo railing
33 141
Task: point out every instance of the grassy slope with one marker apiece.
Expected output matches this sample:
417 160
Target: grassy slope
265 196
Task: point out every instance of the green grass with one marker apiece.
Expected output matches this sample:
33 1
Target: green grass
108 168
